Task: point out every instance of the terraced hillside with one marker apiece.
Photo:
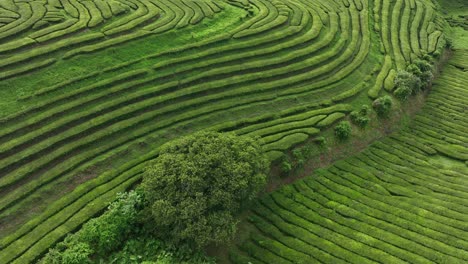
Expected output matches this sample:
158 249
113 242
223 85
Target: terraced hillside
89 88
403 200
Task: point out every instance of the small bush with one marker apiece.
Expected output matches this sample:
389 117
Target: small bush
426 78
427 57
383 105
417 76
343 130
402 93
408 79
448 43
364 110
361 121
423 65
360 117
297 159
321 141
286 166
414 69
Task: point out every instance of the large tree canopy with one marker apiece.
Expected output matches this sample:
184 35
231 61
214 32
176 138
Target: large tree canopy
199 182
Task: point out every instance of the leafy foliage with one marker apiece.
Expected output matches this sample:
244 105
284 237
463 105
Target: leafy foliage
120 236
296 160
343 130
417 76
144 248
101 235
360 117
383 105
321 141
402 93
199 182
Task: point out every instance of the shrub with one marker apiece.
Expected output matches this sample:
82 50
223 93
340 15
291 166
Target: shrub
107 232
199 182
286 166
101 235
423 65
425 72
383 105
426 78
321 141
343 130
76 253
364 110
427 57
448 43
402 93
414 69
408 79
361 121
417 76
360 117
299 156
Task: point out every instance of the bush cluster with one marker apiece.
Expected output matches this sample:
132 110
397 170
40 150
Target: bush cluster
343 130
101 235
415 78
120 235
383 105
297 160
360 117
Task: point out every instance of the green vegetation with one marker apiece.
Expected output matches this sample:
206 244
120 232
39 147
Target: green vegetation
361 117
401 200
383 105
91 89
417 76
343 130
100 235
198 183
119 235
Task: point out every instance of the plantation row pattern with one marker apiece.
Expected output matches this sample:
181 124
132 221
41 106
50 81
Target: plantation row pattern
296 60
408 29
402 200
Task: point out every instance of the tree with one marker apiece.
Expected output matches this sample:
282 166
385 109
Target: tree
199 182
343 130
417 76
383 105
100 236
408 79
360 117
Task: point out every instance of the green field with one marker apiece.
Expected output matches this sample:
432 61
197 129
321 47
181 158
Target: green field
90 89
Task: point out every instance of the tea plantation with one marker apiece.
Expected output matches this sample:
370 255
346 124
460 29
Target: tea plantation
402 200
90 89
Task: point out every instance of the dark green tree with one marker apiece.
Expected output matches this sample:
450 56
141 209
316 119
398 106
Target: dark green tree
383 105
343 130
199 182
